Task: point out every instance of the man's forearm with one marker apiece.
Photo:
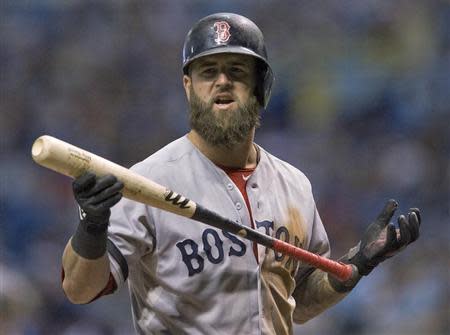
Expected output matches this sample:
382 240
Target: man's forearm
317 293
84 278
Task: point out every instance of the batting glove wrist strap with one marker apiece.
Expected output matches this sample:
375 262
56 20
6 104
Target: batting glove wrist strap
89 240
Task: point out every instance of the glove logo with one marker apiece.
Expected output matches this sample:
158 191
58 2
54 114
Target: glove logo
222 29
82 213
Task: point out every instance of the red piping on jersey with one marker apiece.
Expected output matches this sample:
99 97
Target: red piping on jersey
240 178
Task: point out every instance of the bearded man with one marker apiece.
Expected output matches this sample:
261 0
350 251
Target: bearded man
185 277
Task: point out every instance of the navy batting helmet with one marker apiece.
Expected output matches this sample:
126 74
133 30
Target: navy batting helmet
230 33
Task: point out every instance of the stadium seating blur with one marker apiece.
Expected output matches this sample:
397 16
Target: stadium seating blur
360 104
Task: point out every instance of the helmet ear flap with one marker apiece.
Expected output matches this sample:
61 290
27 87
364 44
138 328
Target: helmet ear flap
260 73
264 80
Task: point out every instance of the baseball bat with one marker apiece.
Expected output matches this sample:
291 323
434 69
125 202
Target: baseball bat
72 161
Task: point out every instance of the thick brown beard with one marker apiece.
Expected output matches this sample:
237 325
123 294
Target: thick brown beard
224 129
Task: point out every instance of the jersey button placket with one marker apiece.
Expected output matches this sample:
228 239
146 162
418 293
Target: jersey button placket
238 206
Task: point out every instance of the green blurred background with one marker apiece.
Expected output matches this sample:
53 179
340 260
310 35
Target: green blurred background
360 104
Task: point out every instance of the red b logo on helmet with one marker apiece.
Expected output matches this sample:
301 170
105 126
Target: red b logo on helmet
222 29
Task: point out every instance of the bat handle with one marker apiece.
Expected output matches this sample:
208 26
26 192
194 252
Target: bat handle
340 270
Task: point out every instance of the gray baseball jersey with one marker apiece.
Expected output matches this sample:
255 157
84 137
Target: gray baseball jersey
186 277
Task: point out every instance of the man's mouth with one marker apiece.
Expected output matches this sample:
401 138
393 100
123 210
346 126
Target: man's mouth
223 101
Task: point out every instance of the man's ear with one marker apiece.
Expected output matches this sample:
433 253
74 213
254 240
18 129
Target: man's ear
187 83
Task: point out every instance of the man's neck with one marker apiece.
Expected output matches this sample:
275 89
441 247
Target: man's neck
243 155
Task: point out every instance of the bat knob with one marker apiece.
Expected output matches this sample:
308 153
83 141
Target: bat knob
39 150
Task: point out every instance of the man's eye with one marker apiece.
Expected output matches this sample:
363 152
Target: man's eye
210 71
237 70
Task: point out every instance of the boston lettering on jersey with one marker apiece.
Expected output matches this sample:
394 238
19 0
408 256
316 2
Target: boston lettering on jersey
215 253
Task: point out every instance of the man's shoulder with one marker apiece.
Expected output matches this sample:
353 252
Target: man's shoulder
282 168
161 159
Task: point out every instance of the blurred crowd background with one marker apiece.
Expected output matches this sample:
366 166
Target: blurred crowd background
360 104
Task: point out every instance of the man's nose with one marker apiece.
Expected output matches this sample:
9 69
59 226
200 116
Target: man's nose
223 78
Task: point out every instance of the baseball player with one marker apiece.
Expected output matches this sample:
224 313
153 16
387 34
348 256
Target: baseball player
185 277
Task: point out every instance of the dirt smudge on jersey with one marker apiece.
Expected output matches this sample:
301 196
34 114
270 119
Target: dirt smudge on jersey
278 271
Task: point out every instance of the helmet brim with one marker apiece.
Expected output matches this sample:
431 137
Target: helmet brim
226 49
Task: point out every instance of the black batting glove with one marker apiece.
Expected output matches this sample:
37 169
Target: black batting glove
95 197
383 240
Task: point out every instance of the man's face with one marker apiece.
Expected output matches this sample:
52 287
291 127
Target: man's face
220 91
